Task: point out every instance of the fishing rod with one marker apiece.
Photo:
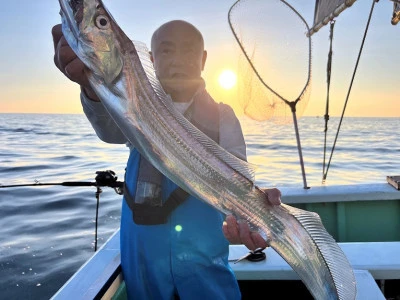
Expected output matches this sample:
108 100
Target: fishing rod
103 179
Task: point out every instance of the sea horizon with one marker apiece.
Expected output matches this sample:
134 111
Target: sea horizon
239 115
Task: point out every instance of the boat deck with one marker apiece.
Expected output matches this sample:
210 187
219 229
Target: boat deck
373 261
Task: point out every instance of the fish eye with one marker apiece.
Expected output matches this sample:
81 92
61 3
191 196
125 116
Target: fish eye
102 22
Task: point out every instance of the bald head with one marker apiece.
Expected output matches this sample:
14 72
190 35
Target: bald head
176 26
178 56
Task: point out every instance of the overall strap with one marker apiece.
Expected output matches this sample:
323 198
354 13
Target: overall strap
145 214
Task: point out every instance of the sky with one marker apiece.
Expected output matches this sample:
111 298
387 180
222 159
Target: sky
30 82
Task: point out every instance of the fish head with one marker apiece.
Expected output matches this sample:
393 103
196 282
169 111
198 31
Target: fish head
92 33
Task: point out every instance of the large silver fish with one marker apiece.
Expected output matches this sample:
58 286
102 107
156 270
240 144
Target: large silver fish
123 77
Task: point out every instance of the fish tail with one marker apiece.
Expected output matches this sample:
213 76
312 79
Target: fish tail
313 254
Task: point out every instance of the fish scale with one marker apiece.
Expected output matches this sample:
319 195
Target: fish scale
122 77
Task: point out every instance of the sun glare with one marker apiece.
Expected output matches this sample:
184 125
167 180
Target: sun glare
227 79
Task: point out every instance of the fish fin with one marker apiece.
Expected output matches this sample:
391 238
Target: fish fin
246 169
144 56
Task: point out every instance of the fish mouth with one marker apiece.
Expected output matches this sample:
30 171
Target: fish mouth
73 12
77 9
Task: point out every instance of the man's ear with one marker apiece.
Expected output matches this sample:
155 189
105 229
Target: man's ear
204 59
151 57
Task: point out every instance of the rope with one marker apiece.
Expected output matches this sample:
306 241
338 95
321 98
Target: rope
328 80
98 192
350 87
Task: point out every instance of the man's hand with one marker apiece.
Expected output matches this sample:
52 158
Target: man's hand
69 64
238 232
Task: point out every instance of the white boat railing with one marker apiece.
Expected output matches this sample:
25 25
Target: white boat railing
340 193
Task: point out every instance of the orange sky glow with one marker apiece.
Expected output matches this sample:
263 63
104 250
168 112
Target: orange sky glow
30 83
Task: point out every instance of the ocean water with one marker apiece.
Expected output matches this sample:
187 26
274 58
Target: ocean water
47 232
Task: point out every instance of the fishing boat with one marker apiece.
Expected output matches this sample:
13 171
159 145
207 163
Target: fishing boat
363 219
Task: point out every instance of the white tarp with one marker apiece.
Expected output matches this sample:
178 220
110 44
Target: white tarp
327 10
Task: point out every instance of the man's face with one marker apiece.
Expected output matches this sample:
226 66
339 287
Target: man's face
179 58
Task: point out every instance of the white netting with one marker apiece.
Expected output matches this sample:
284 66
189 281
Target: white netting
275 65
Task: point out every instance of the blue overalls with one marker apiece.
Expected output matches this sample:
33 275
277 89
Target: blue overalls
187 256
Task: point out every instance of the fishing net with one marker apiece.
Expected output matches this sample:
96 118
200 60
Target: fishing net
275 65
275 62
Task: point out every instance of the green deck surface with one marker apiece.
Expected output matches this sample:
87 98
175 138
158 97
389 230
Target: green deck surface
357 221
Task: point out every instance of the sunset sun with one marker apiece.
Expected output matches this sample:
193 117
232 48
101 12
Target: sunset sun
227 79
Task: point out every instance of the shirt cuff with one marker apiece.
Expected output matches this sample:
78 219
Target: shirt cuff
92 107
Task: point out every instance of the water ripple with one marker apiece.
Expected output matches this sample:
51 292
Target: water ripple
47 232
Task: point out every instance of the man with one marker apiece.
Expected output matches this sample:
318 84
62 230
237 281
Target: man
180 251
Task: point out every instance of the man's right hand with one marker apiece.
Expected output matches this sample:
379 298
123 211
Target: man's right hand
238 231
69 64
